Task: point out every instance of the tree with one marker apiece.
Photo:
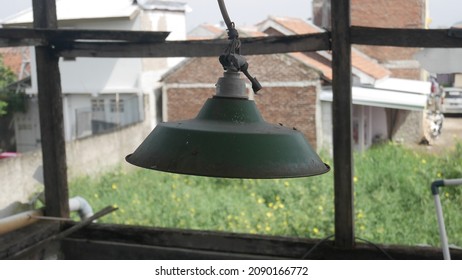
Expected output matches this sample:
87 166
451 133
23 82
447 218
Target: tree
7 77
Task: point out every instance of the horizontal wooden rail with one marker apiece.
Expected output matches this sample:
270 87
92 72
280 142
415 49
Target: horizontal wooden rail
40 36
115 43
196 48
418 38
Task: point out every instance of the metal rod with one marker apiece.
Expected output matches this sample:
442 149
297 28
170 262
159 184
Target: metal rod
442 228
57 219
63 234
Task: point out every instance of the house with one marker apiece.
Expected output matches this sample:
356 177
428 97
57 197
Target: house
290 93
373 120
295 88
385 14
100 94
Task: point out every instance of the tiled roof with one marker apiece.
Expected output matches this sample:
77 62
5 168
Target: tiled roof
367 65
323 68
359 61
296 25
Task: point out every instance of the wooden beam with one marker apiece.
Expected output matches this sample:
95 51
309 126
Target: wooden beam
42 36
342 132
103 241
9 37
395 37
16 241
196 48
51 116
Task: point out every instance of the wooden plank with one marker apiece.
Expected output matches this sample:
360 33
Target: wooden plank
196 48
41 36
429 38
51 116
76 249
13 242
99 241
419 38
342 132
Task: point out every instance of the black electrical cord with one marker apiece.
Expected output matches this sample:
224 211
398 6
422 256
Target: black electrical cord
232 59
358 238
375 246
224 13
316 245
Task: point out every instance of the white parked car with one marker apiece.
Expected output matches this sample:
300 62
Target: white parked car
452 103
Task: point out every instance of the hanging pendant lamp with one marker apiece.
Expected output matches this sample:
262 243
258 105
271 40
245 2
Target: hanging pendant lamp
229 137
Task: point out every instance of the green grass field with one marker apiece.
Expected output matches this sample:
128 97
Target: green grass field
393 202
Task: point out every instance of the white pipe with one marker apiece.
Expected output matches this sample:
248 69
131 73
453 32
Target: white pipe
82 206
18 220
442 228
23 219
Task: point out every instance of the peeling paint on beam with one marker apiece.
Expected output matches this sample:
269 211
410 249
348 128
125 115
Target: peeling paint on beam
197 48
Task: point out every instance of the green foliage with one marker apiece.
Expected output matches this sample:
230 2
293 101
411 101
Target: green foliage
393 202
3 106
9 100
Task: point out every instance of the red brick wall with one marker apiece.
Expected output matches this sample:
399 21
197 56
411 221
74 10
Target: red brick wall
291 106
390 14
185 103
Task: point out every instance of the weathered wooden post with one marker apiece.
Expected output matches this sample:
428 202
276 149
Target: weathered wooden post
51 115
342 133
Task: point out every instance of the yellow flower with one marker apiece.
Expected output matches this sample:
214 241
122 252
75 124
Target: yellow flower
96 195
424 161
286 184
114 186
267 228
270 205
315 230
355 179
269 214
320 208
362 228
439 175
260 200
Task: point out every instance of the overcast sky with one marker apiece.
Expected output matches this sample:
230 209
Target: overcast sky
443 13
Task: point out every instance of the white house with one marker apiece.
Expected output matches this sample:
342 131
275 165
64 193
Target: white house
100 94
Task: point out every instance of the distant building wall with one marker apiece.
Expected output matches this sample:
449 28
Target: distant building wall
290 93
88 156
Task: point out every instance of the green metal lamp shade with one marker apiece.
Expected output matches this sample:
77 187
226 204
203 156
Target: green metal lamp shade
228 138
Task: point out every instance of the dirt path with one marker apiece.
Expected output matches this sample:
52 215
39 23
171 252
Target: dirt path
451 133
